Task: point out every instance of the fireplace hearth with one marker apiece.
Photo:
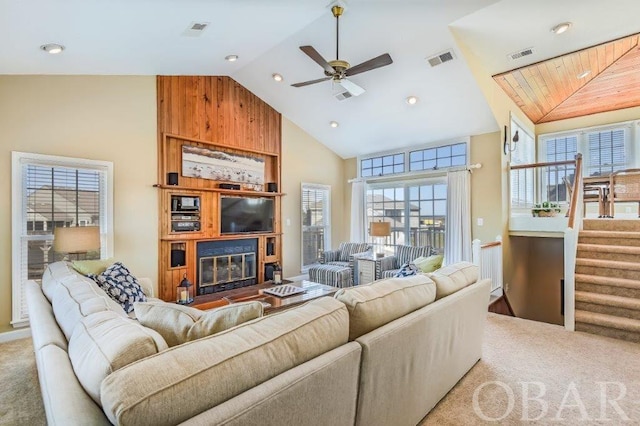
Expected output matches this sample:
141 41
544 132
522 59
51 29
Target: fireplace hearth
225 265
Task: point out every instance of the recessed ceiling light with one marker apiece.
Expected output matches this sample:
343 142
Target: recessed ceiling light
277 77
412 100
231 58
333 124
584 74
560 28
52 48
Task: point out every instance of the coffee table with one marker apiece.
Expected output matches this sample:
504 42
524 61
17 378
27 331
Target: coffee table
271 304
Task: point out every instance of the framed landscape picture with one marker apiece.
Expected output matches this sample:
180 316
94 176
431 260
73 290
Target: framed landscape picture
206 163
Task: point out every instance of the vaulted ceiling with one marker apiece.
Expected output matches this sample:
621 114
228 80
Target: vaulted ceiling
597 79
150 37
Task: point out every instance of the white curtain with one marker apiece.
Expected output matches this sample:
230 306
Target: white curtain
457 245
357 212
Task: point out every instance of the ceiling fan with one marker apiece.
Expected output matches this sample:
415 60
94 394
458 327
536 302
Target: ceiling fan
338 70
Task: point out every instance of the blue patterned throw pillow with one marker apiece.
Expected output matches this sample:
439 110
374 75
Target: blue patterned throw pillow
118 282
406 270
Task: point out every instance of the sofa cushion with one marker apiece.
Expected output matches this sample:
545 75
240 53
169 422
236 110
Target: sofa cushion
76 297
53 275
178 324
120 284
373 305
235 360
429 264
406 270
91 267
454 277
105 342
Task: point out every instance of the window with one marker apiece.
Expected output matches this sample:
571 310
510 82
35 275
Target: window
522 180
438 157
604 150
50 192
383 165
416 211
316 222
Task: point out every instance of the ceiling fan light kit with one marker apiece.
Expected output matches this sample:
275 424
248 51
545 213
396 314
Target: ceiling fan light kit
338 70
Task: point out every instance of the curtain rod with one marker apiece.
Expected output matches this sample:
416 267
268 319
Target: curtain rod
470 168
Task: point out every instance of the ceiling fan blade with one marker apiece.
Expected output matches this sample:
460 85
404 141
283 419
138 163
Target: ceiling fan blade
306 83
351 87
371 64
313 54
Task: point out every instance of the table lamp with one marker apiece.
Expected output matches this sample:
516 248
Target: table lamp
76 240
380 230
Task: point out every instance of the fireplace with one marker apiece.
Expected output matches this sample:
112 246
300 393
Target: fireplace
225 265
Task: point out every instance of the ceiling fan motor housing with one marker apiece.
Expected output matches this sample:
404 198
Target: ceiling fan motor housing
339 66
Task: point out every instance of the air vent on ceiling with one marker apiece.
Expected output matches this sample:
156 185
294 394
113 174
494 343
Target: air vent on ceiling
195 29
524 52
342 96
441 58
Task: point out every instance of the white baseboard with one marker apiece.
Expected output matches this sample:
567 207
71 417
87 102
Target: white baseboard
9 336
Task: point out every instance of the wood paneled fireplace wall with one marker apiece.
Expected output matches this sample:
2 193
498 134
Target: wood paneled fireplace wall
220 118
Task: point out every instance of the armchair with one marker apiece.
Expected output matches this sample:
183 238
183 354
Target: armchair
388 266
345 254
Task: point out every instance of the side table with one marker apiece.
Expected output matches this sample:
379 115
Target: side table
366 270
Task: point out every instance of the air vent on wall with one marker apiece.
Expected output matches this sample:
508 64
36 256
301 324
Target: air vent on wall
195 29
441 58
524 52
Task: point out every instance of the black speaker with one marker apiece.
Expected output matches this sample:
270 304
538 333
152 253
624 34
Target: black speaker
177 258
270 249
272 187
268 272
172 178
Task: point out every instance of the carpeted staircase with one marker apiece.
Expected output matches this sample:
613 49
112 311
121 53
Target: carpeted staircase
608 278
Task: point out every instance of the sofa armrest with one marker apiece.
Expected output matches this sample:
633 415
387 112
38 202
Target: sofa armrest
329 256
147 286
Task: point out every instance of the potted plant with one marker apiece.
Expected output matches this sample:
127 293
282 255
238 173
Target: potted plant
545 209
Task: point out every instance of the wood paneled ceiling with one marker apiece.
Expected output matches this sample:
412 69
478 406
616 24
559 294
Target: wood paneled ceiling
553 90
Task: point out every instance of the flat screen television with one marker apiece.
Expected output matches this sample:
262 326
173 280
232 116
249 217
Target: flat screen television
245 214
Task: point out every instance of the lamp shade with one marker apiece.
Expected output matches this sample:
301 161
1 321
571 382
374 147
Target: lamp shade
380 229
77 239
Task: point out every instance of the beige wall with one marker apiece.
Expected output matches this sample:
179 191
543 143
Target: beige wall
305 160
111 118
601 119
486 195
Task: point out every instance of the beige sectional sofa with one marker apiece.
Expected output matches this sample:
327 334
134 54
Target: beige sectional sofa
384 353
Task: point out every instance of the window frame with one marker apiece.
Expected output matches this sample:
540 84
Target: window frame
405 185
406 152
326 214
20 160
631 140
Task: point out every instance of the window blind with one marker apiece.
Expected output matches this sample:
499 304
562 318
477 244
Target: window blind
607 152
53 195
315 223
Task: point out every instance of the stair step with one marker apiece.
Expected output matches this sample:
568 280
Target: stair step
608 300
610 234
612 224
613 333
605 248
608 321
609 264
608 281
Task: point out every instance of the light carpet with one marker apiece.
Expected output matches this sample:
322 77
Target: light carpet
573 369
